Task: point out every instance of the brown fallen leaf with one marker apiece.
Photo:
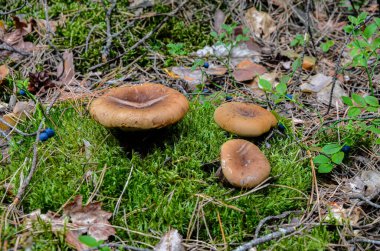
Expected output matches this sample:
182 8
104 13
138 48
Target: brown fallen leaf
90 216
11 119
259 22
4 71
219 18
72 238
66 71
247 70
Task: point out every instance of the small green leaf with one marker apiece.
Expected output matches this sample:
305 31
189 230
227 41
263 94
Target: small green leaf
374 129
327 45
353 111
296 64
325 168
88 240
377 142
321 159
347 101
358 99
371 109
331 148
281 88
370 30
348 28
372 101
352 19
265 84
337 158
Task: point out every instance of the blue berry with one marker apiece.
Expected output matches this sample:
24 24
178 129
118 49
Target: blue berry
22 92
346 149
281 127
228 98
289 96
206 65
50 132
44 136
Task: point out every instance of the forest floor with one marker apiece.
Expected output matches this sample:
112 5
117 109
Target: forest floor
313 64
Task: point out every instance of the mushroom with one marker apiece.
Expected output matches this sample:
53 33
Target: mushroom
243 119
139 107
243 164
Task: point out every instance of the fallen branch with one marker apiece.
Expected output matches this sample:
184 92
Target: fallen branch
276 217
365 200
106 48
269 237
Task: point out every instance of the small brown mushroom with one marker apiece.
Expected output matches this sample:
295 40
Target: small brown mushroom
243 119
139 107
243 164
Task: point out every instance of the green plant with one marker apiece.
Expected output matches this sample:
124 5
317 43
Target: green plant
327 45
92 242
357 127
297 40
332 155
357 105
365 44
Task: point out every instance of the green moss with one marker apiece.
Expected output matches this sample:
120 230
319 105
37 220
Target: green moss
168 176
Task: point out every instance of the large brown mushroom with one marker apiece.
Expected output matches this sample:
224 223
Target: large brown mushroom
139 107
243 164
244 119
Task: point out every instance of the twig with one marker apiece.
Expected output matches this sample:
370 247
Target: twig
121 195
266 238
337 65
7 47
276 217
307 31
33 169
12 11
366 200
107 46
48 34
15 129
376 242
141 41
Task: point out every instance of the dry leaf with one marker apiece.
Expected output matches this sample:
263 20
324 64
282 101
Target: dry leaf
67 77
260 23
11 119
4 71
247 70
317 83
90 216
23 109
72 238
219 18
171 241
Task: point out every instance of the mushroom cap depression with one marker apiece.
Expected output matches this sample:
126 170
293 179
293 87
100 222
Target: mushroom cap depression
243 164
243 119
139 107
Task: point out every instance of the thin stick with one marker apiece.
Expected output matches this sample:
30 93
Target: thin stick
266 238
141 41
276 217
122 193
12 11
221 229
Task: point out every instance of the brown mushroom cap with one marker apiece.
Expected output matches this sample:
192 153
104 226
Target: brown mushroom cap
243 164
139 107
243 119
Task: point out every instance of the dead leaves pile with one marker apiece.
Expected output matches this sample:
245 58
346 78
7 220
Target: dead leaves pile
78 220
14 46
